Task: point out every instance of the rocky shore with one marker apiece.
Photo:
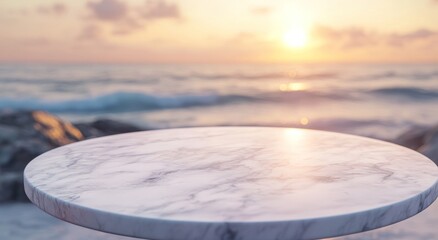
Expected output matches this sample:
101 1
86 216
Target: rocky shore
421 139
27 134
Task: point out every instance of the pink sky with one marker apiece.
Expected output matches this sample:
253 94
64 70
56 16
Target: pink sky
197 31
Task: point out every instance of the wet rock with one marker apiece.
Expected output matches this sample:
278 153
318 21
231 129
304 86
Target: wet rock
108 127
5 155
41 125
26 134
423 140
88 131
430 147
11 187
104 127
413 138
22 152
8 134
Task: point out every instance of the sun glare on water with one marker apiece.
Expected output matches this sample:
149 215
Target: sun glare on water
295 38
289 87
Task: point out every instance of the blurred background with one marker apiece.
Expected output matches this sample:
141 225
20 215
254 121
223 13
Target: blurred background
71 70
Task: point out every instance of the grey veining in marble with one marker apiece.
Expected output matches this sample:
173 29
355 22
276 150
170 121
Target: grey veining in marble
247 183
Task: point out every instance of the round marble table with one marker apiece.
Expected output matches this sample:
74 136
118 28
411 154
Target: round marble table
219 183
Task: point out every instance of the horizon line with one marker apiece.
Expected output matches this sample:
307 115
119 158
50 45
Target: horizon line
219 63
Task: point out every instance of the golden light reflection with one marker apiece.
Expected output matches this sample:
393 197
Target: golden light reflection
304 121
60 133
286 87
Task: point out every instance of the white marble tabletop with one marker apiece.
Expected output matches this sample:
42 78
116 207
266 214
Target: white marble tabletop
220 183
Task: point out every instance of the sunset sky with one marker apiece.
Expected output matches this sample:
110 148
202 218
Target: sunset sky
198 31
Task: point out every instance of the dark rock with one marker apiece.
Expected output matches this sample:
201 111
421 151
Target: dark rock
413 138
423 140
88 131
104 127
5 155
42 125
8 134
432 135
11 187
430 147
22 152
108 127
26 134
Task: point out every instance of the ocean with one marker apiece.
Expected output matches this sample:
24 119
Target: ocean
373 100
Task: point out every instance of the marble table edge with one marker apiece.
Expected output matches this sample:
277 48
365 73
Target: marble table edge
323 227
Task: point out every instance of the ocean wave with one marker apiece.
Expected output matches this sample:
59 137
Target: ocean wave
407 92
262 76
121 102
417 75
136 101
305 96
71 82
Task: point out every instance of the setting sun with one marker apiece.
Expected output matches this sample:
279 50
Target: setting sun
296 38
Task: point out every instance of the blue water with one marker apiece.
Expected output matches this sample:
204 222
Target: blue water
372 100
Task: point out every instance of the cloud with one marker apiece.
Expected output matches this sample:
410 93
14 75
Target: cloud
399 40
108 10
160 9
114 13
123 19
56 8
346 38
90 33
356 37
261 10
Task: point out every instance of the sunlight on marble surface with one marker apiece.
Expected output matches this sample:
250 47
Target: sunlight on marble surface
253 183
